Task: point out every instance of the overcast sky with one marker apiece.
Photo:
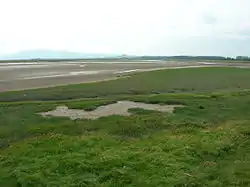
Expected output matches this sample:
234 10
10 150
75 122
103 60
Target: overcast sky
142 27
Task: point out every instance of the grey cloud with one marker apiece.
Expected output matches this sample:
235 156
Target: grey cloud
209 19
244 32
240 34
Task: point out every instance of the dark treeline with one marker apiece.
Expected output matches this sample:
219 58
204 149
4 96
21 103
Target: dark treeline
183 58
242 58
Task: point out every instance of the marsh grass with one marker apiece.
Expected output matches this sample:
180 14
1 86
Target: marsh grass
188 80
204 143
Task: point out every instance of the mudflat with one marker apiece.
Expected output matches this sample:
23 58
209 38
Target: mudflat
120 108
20 76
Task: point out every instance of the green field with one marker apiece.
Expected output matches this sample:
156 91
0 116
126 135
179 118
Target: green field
163 81
205 143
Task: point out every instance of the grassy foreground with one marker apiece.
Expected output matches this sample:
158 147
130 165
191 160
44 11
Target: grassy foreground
206 143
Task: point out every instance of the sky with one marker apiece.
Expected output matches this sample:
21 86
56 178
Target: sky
136 27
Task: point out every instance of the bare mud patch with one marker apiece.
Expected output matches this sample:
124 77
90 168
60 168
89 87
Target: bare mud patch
120 108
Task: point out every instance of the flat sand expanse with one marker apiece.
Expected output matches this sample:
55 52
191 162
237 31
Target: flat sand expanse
19 76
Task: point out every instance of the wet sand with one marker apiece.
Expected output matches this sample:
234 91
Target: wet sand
19 76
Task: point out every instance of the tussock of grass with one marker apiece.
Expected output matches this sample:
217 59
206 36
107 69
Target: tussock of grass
214 157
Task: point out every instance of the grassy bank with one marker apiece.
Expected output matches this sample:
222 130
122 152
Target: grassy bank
205 143
163 81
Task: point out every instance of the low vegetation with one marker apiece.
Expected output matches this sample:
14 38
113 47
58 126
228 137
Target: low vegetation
164 81
205 143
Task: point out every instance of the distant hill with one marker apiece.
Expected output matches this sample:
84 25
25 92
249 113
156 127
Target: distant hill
44 55
50 54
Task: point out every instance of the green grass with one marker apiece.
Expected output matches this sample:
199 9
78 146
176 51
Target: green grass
195 146
205 143
163 81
